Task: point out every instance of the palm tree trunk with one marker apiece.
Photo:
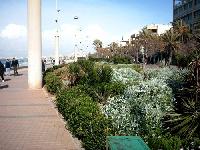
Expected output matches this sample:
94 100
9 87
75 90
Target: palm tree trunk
170 56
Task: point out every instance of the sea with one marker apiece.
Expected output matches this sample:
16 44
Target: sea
23 62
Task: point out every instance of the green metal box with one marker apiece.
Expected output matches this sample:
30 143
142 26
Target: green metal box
126 143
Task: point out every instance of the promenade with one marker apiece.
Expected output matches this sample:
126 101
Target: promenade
28 119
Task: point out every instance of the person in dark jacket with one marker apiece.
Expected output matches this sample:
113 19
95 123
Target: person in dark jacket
8 66
15 65
43 66
2 69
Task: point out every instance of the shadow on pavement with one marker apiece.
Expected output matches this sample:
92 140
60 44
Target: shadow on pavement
7 79
20 74
3 86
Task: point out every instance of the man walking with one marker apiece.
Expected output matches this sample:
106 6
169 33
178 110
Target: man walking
8 66
2 69
15 65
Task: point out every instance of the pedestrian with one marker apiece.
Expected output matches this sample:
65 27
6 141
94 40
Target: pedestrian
8 66
15 65
43 66
2 69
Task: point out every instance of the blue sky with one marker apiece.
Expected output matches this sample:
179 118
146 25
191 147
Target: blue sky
107 20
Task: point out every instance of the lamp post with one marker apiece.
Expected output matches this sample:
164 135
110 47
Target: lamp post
142 51
75 46
57 36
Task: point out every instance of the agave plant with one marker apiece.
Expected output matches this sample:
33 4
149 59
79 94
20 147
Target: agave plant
185 124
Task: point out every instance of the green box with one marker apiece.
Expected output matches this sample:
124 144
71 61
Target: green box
126 143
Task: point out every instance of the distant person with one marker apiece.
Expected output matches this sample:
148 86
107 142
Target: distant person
43 66
15 65
2 69
8 66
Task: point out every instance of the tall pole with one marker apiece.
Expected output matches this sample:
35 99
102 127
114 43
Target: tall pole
57 48
34 45
76 44
57 36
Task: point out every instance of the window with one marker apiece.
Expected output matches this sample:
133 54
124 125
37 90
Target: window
195 2
190 4
190 16
197 14
185 7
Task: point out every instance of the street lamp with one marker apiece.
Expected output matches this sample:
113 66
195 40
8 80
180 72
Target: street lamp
142 51
57 35
76 45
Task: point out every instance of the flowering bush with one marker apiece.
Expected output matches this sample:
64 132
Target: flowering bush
140 109
167 74
126 76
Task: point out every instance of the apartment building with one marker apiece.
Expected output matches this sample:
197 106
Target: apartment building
158 28
188 11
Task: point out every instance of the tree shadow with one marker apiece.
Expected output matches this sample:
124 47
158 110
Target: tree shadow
3 86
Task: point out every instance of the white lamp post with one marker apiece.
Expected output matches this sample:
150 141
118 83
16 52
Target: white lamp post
57 36
75 46
142 51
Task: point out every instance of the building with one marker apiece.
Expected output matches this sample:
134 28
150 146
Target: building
158 28
188 11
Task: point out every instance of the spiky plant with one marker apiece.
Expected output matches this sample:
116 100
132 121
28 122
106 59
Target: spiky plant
187 123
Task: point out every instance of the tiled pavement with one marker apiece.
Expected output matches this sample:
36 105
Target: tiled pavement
28 120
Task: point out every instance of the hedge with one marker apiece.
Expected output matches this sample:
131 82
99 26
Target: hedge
84 118
52 82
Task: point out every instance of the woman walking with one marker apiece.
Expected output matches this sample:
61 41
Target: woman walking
2 69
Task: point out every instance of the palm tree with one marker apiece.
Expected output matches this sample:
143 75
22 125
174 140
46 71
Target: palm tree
114 47
171 39
151 41
183 30
98 45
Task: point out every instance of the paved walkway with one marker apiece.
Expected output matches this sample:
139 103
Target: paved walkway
28 120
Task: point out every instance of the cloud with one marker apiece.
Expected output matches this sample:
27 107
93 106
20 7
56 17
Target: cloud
14 37
13 31
71 34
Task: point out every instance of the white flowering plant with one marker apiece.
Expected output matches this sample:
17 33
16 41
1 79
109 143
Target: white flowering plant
140 109
167 74
126 76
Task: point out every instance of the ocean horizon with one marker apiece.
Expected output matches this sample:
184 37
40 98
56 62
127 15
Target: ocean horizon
23 62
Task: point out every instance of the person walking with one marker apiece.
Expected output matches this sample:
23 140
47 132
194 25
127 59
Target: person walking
8 66
2 69
43 66
15 65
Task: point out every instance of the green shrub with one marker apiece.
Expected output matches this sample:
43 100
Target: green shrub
53 83
86 65
99 85
75 73
121 59
84 118
164 143
58 66
94 59
96 80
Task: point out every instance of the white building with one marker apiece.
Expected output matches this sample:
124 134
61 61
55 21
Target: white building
158 28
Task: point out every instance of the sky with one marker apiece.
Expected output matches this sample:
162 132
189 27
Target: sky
107 20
